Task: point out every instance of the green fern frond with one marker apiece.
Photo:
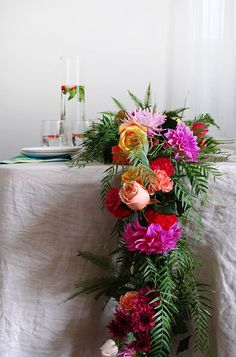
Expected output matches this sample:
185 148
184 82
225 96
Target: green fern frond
138 103
119 104
110 172
99 260
148 98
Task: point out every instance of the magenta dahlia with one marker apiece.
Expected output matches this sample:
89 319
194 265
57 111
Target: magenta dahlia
184 142
152 239
145 117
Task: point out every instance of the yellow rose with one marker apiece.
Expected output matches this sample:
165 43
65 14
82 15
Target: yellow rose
131 175
132 135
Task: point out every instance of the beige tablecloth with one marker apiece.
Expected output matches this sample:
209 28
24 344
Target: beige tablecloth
47 213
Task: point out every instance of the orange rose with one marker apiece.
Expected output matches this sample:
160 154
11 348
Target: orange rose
128 300
132 135
134 195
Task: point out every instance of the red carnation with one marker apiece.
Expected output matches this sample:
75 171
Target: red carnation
163 163
114 204
200 129
166 221
119 156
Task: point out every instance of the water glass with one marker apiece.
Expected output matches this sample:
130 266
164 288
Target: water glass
77 131
54 133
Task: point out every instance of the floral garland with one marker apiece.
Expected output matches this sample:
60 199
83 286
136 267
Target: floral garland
163 163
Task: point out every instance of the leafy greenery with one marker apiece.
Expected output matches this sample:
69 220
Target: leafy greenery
98 141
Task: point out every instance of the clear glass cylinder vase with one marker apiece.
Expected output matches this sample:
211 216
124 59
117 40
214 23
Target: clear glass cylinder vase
72 90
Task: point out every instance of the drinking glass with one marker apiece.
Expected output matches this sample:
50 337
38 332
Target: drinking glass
72 90
77 129
54 133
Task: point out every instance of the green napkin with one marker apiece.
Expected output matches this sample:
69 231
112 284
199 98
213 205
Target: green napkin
19 159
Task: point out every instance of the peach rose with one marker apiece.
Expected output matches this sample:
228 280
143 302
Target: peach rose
109 349
134 195
128 300
132 135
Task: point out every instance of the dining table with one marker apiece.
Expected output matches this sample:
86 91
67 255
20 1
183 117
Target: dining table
50 211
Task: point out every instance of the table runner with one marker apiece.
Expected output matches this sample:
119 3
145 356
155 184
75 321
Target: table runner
47 213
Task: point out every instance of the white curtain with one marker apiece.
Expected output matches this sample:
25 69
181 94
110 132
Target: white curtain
202 59
183 47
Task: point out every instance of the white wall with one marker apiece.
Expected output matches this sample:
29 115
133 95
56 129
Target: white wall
124 45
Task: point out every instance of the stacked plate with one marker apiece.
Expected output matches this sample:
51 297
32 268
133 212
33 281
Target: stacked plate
44 151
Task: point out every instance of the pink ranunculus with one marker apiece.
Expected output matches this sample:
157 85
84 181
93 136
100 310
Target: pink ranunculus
135 196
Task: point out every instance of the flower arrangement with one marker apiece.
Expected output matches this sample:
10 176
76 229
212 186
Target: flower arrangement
163 163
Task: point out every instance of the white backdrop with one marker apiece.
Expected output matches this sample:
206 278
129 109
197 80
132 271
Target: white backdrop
182 47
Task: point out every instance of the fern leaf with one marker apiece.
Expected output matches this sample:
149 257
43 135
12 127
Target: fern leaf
119 104
148 98
138 103
99 260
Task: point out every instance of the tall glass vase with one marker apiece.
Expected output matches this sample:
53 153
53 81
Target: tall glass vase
72 90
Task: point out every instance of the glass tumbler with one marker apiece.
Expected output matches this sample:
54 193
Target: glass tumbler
54 133
77 129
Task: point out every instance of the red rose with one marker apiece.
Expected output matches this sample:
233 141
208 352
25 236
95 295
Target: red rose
114 204
166 221
119 156
163 163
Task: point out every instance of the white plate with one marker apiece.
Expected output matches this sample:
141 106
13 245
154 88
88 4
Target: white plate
45 151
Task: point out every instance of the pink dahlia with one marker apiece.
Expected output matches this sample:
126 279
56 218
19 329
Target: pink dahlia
152 239
148 119
184 141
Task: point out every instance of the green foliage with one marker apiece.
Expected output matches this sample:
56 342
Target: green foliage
148 98
203 118
80 90
109 173
99 260
119 104
98 141
138 103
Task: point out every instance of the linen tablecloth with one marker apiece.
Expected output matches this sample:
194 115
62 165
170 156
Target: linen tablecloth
47 213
